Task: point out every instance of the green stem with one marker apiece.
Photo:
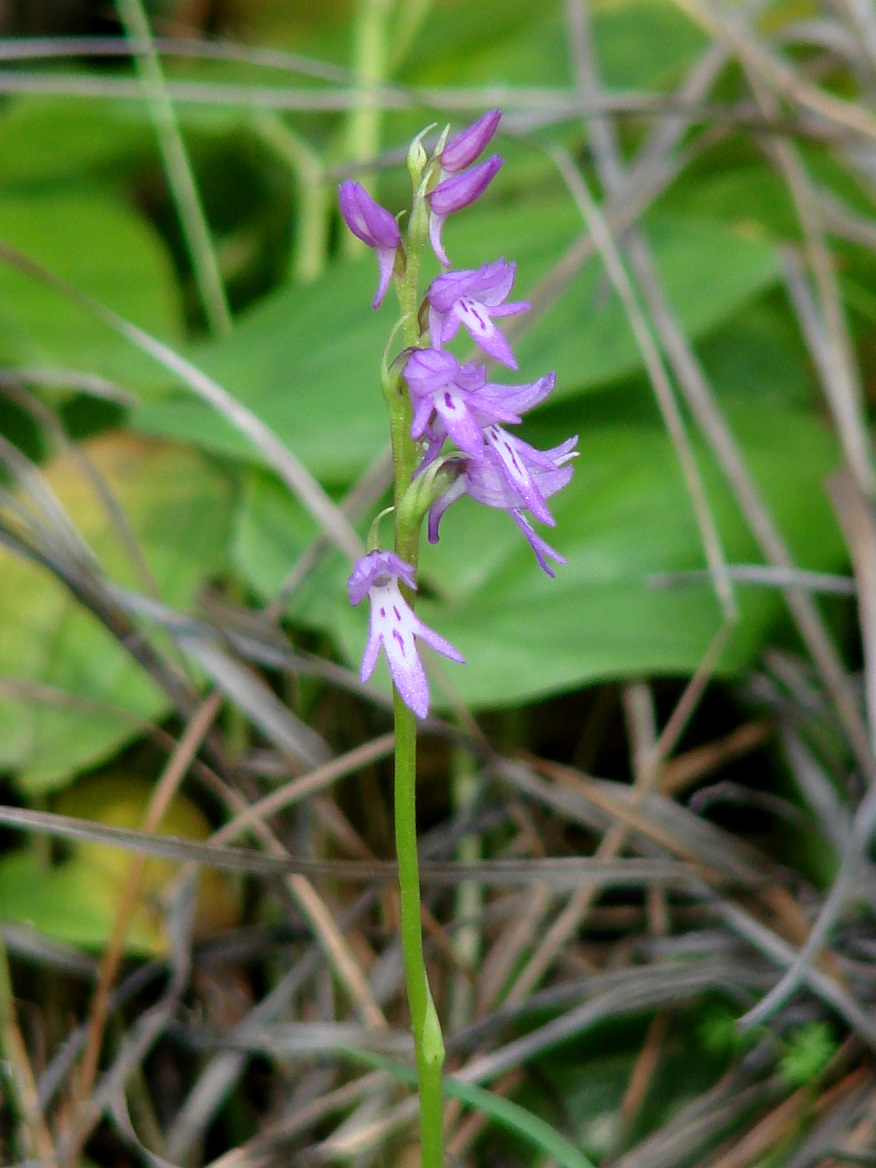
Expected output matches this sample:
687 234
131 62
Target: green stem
428 1043
404 450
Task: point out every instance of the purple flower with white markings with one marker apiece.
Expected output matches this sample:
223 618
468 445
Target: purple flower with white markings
455 193
486 481
470 143
458 395
375 226
473 298
517 463
394 625
456 400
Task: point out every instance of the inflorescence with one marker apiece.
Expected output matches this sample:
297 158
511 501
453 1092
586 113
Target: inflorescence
452 401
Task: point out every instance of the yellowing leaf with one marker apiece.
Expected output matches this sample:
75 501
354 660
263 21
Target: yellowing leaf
77 899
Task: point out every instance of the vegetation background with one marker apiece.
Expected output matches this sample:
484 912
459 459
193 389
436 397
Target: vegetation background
647 801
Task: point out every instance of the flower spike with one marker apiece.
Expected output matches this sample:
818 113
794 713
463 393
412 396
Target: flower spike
375 226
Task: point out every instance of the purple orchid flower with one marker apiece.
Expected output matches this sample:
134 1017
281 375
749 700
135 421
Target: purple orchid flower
485 481
470 143
455 193
473 298
375 226
456 400
458 394
394 625
517 463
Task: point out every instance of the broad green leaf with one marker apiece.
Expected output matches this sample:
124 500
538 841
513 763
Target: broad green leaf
521 43
759 352
72 902
586 337
747 194
306 359
98 247
178 509
626 32
624 518
271 533
318 27
467 44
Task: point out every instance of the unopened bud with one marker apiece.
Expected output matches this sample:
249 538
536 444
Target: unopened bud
417 158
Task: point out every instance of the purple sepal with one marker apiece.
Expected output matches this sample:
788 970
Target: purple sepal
455 395
427 371
542 549
461 190
520 398
486 481
369 221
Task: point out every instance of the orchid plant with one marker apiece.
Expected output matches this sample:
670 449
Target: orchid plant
433 399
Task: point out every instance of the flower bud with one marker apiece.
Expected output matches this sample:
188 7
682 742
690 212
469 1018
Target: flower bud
461 190
369 221
375 226
428 487
462 150
417 159
455 193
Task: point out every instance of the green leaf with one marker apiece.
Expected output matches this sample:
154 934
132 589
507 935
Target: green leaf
626 32
306 359
178 509
539 1134
749 195
626 517
51 139
758 352
271 533
100 248
523 43
586 336
68 902
527 44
